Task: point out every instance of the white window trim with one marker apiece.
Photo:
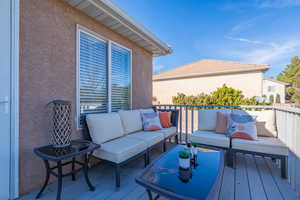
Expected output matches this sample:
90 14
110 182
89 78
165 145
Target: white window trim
80 28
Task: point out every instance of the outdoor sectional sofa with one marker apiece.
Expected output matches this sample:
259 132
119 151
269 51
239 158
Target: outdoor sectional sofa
267 143
122 138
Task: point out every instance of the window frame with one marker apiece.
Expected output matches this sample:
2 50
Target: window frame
109 42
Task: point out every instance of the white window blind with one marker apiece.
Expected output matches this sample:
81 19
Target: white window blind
120 78
104 69
93 75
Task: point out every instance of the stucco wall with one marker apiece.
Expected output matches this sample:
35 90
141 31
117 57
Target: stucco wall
48 72
249 83
277 89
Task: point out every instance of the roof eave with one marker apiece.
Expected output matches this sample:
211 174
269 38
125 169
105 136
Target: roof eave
156 46
263 69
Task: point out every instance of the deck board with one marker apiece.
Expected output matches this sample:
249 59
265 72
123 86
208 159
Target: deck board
270 186
255 185
252 178
241 179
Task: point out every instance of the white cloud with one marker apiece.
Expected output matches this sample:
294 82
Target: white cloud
157 68
246 24
246 40
261 4
269 53
277 3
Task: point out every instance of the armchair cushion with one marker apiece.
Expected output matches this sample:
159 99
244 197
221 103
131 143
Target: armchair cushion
104 127
210 138
150 137
268 145
120 149
208 118
169 131
265 122
131 120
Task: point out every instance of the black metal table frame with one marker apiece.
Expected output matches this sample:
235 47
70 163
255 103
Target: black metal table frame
87 154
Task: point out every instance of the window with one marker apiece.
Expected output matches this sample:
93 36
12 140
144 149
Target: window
104 75
271 88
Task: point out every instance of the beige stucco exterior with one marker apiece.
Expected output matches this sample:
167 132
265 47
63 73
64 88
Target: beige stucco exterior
250 83
271 87
48 72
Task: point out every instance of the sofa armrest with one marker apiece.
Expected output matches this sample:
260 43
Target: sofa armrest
174 115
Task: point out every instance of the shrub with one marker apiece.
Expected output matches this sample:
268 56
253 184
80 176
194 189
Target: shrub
221 96
277 100
271 99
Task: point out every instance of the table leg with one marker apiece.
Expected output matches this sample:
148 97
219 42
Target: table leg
59 173
46 180
149 194
85 171
73 169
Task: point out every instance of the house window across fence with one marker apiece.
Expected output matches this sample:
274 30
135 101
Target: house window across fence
103 75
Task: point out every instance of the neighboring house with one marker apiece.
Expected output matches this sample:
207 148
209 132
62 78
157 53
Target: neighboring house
204 76
89 52
272 87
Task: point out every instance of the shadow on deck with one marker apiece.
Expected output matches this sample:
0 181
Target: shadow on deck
253 178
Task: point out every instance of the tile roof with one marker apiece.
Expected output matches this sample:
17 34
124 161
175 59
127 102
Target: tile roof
209 67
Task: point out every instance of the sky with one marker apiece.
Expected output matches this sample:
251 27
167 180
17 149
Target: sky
256 31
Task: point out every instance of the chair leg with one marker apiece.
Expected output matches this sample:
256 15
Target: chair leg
164 146
117 174
176 139
283 166
146 158
230 158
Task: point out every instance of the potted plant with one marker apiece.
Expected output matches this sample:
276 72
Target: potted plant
185 175
184 159
194 150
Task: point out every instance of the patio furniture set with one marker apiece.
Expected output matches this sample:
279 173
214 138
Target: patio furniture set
267 143
123 139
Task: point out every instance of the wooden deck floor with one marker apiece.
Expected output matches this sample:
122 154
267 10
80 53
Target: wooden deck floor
253 178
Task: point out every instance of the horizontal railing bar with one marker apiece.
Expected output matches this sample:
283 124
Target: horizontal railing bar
287 109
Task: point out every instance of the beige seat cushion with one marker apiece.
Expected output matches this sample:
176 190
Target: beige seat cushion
265 122
169 131
131 120
150 137
120 149
210 138
207 118
104 127
267 145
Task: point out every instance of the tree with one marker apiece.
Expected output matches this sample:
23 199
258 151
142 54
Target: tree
290 75
271 99
277 100
222 96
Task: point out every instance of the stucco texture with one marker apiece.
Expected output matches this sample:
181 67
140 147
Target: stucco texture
48 72
249 83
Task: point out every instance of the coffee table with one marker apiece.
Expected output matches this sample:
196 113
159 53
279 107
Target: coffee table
201 181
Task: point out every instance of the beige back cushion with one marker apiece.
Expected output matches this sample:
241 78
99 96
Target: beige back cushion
207 118
104 127
131 120
265 122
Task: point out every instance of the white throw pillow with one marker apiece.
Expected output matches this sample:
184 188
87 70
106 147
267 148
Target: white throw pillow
242 127
131 120
104 127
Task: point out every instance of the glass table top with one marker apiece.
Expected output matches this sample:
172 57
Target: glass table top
195 183
77 147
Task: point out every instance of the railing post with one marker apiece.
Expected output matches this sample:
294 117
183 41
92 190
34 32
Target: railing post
180 133
186 124
192 126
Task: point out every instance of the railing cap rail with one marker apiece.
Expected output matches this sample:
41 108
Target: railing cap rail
280 108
